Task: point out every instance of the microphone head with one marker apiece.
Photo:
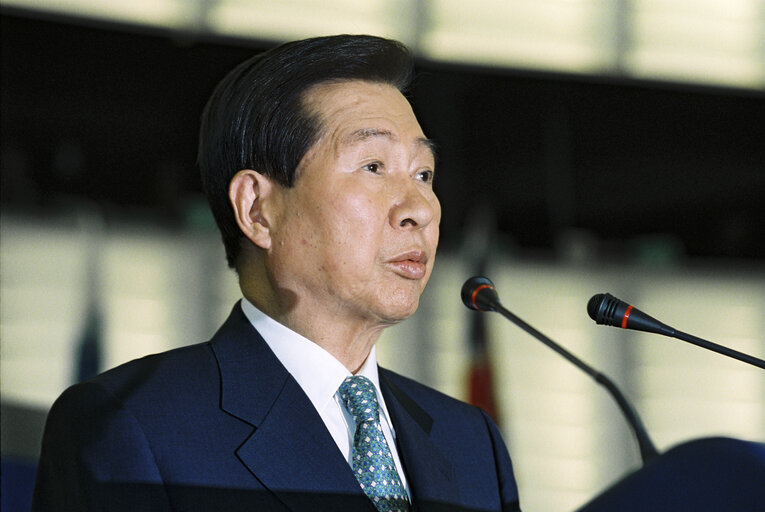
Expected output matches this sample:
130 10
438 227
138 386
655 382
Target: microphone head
593 306
478 293
606 309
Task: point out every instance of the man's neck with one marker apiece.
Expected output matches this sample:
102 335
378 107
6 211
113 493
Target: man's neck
347 336
350 342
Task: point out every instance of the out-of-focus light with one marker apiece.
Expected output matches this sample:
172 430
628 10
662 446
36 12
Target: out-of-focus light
695 41
566 35
701 41
294 19
162 13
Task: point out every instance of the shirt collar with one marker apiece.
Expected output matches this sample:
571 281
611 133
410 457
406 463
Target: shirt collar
317 371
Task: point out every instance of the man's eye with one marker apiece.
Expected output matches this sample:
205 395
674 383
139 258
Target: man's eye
374 167
425 176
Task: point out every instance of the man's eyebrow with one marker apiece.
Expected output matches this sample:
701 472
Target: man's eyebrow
363 134
430 145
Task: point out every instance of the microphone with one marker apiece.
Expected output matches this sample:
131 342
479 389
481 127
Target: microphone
478 293
606 309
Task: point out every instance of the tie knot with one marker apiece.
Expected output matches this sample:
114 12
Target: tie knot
360 398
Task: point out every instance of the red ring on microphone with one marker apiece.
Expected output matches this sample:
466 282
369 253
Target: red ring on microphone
626 317
472 298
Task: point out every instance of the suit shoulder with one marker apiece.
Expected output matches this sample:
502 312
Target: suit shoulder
156 375
189 356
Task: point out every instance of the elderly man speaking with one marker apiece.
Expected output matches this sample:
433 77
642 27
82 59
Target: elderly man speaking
321 183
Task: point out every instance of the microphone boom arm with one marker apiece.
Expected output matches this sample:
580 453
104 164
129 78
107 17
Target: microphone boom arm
647 449
720 349
478 293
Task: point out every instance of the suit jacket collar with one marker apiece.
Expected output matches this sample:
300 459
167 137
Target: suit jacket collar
431 475
290 451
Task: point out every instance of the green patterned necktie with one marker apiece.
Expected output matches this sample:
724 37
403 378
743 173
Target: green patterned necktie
370 457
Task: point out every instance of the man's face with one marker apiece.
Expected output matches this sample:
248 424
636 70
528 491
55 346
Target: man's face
356 236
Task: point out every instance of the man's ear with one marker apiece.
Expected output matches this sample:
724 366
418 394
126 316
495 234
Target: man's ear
249 193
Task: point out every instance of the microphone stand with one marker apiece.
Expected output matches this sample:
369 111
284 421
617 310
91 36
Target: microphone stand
647 449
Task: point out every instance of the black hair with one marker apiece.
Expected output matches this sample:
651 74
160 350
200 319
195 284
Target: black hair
256 117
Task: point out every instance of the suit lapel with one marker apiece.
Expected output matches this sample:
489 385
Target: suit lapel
290 451
429 472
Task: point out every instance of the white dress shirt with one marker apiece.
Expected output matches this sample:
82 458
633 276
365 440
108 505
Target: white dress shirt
319 374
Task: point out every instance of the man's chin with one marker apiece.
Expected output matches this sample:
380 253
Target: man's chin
397 313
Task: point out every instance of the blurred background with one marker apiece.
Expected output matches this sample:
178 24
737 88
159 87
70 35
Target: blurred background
585 146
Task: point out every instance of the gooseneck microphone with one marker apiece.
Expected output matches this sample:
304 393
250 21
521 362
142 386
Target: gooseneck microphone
606 309
478 293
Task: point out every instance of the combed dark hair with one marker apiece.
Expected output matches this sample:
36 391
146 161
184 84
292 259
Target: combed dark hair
256 119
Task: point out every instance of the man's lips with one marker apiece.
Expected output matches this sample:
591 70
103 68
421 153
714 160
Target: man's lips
411 264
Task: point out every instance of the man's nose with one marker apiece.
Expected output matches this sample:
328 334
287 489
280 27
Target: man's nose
415 205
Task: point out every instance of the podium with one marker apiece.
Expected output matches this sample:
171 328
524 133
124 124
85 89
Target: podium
709 474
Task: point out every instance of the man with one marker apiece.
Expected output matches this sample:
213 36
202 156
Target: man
320 180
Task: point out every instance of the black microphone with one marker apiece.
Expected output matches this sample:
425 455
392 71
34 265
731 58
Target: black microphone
606 309
478 293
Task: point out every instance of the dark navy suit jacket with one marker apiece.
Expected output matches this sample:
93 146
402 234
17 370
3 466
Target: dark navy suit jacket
223 426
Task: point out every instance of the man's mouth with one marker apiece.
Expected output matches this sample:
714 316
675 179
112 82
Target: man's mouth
411 264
